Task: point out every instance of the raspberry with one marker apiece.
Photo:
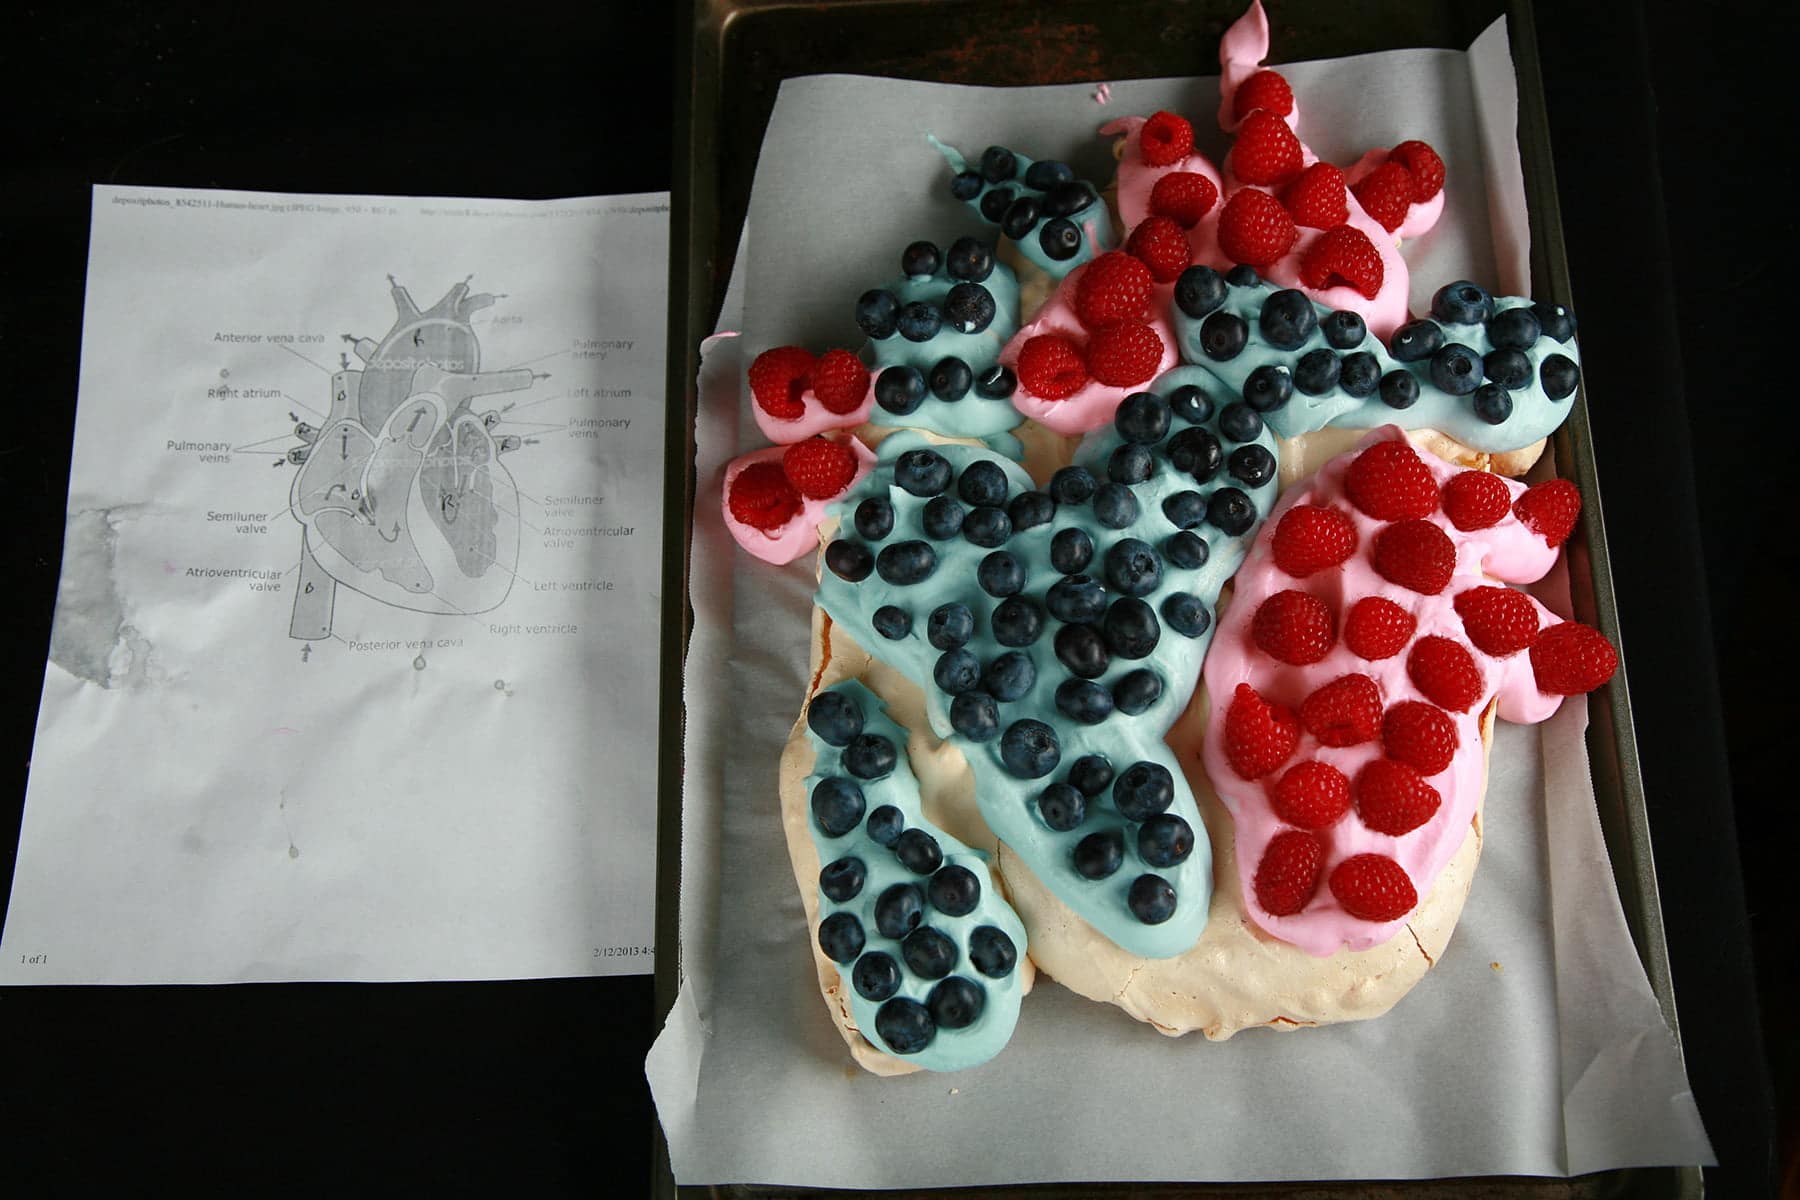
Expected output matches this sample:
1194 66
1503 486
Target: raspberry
818 467
1125 354
1293 628
777 379
1373 887
1267 151
1549 510
1050 367
1114 287
1288 874
840 381
1259 736
1571 658
1475 500
1165 138
1310 538
1420 735
1163 246
1386 193
762 498
1265 90
1392 798
1183 197
1445 672
1344 257
1312 795
1426 168
1498 620
1390 482
1416 555
1345 712
1377 628
1317 197
1254 229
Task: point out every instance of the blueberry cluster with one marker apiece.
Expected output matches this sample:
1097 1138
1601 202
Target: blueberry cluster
1041 206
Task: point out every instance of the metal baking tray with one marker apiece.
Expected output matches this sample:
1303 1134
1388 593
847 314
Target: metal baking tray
732 57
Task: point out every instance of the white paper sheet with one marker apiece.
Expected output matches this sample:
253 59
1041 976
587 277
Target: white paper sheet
1501 1061
422 747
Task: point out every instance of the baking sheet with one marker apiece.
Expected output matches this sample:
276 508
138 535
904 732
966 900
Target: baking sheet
1516 1055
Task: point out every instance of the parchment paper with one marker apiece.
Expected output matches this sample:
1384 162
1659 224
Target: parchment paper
1534 1047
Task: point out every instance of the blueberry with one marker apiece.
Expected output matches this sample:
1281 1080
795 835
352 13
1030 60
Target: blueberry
1361 374
898 910
884 825
965 185
1019 217
874 518
1099 854
1191 404
869 756
841 937
1231 511
954 891
876 976
918 852
1142 417
1059 239
1185 509
1151 899
1130 463
1133 567
1399 389
904 1025
1165 840
951 379
849 561
900 390
1114 506
997 383
1462 303
1252 465
1559 376
1029 749
1199 291
834 717
956 672
995 203
1268 387
1143 790
1029 509
992 952
1317 371
1084 701
1243 276
1187 550
922 472
1137 690
1493 404
1186 614
1073 485
892 622
1075 599
1287 319
837 805
1131 628
919 321
1016 622
1010 676
1071 550
1042 176
987 527
1223 336
1000 574
1062 807
1514 329
943 517
1556 321
928 953
969 308
949 626
1416 341
875 313
956 1003
906 563
1068 198
843 880
970 259
1344 330
1091 774
1511 369
1197 452
1456 369
920 259
998 164
982 482
975 716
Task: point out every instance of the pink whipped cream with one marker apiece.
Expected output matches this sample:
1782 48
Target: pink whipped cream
800 536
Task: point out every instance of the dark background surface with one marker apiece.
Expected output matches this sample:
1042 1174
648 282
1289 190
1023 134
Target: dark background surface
1665 126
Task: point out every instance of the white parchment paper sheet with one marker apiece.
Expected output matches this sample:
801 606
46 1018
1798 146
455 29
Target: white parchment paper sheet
1534 1047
